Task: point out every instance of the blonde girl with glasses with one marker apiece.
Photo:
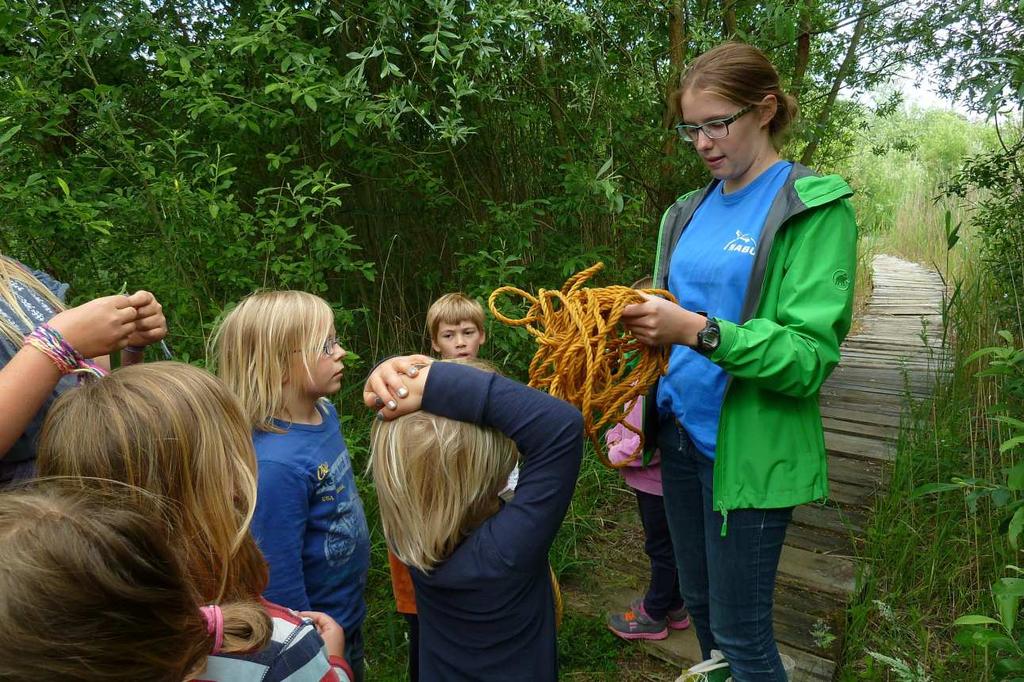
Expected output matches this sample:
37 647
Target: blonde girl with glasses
174 432
278 352
44 347
762 263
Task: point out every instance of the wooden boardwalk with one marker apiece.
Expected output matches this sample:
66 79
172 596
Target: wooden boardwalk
895 354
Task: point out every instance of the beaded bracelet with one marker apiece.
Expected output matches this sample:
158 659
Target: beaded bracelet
52 344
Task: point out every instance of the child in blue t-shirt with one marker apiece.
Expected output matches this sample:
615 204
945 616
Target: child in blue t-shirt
278 352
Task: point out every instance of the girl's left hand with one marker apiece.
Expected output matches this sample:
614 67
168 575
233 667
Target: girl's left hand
150 325
395 386
657 322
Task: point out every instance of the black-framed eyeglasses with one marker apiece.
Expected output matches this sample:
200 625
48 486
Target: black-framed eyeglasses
713 130
329 345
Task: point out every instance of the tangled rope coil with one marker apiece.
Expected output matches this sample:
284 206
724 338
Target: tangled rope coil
584 356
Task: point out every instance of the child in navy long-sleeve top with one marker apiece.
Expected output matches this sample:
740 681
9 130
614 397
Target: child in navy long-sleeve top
480 567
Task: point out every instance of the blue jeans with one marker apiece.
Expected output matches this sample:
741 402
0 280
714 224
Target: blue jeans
727 582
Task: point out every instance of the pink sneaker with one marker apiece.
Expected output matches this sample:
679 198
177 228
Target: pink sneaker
679 619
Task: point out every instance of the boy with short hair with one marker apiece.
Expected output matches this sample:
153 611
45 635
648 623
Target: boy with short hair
455 323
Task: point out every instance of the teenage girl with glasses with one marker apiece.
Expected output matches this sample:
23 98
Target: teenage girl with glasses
762 262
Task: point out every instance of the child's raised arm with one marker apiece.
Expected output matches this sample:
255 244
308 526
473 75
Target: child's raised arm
549 435
93 329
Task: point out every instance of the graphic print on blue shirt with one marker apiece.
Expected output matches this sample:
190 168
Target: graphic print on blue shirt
349 523
309 521
709 271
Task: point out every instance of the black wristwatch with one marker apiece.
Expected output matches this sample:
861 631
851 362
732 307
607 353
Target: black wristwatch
708 338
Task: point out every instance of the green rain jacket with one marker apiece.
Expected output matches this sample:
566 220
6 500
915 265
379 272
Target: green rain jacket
797 311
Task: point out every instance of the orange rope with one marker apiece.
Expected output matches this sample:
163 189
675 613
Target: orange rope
582 351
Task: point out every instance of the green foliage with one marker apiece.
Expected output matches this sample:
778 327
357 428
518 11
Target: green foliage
377 153
999 637
998 179
904 158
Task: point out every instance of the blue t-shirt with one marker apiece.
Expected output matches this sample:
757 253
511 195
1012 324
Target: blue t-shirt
309 520
709 271
38 311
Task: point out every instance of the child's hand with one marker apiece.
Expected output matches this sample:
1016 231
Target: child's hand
329 630
98 327
395 386
151 325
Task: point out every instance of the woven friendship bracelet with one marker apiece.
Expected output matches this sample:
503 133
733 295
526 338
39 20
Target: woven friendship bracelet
52 344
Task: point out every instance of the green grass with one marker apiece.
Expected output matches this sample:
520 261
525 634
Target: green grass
928 560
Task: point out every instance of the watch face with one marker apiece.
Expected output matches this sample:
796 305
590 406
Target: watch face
708 338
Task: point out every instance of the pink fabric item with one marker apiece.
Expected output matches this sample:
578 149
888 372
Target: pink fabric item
214 626
621 444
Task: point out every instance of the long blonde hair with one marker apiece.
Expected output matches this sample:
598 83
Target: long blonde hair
437 480
92 589
254 345
176 431
12 272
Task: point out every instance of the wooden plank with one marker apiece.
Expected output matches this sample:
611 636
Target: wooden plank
851 495
896 379
838 397
794 627
820 541
895 393
860 416
860 428
827 517
855 446
821 572
867 473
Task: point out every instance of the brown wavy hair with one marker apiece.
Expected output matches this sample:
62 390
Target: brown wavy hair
173 430
92 589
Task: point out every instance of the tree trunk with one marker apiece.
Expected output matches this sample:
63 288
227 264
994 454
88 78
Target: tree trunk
803 49
677 38
728 19
844 71
554 106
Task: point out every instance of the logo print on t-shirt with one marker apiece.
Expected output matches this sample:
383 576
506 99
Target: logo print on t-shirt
743 243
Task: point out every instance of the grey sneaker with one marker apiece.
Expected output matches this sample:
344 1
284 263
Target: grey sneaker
636 624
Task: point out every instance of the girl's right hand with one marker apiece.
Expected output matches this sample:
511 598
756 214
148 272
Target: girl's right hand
658 322
329 630
395 386
98 327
